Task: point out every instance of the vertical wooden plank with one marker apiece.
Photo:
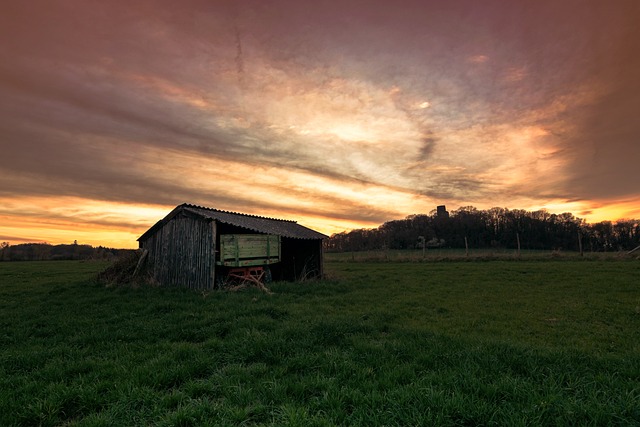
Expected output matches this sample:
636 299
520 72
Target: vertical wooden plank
212 265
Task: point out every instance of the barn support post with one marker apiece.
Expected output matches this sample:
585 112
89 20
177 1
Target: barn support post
321 260
212 258
141 261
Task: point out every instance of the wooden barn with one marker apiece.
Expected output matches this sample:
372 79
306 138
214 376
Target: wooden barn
198 247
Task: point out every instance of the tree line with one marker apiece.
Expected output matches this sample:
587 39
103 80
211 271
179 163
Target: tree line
468 227
47 252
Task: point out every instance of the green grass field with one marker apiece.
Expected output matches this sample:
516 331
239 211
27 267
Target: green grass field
484 254
516 343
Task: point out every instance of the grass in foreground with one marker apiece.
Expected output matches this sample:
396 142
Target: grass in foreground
458 343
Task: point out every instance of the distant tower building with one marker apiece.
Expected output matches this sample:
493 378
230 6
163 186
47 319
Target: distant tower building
442 212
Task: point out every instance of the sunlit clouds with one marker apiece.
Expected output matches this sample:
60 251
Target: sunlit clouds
65 219
478 59
330 114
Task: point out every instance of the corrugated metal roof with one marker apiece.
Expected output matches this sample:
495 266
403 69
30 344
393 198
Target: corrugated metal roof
279 227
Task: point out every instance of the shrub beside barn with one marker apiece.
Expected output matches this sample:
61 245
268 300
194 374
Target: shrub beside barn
197 247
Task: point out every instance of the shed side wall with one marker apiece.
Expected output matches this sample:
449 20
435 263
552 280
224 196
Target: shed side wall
182 251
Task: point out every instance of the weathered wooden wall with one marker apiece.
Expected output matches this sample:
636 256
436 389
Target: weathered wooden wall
182 253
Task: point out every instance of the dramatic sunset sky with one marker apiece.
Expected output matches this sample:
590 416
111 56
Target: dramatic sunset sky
339 114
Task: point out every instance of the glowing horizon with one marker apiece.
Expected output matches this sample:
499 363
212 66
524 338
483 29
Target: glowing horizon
118 225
